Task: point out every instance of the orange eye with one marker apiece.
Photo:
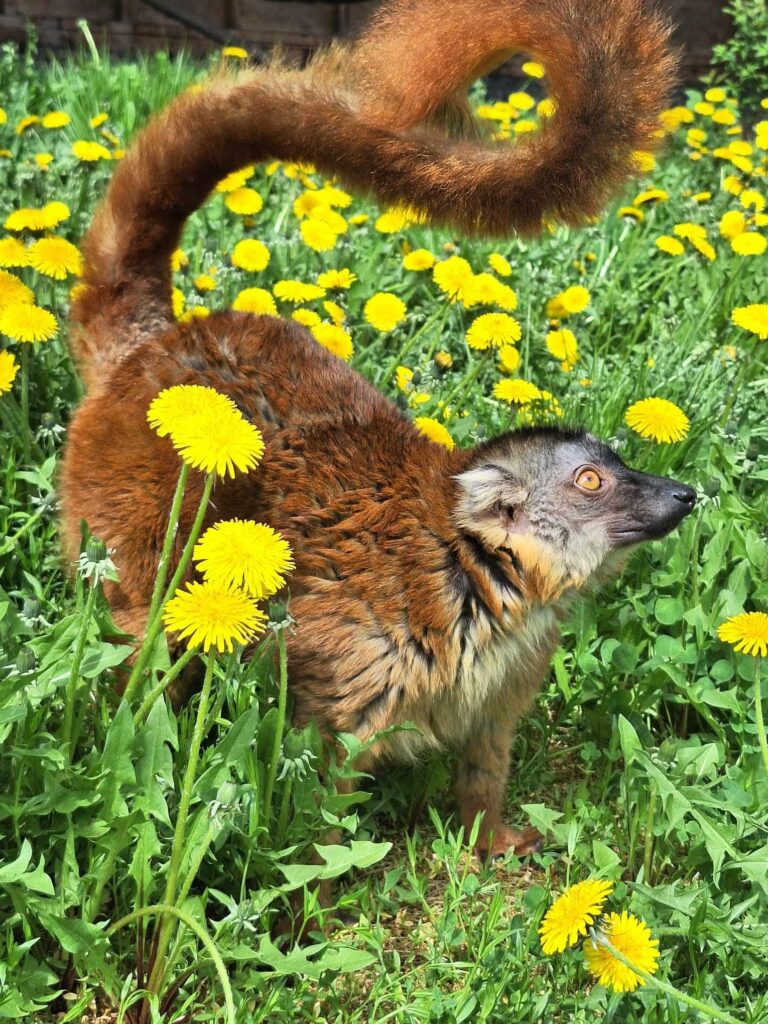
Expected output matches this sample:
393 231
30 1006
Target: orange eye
589 480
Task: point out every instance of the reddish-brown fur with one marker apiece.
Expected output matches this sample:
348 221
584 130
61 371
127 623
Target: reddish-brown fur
384 576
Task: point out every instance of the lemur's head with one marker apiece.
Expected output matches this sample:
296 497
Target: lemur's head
562 502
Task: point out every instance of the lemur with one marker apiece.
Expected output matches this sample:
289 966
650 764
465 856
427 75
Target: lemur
428 582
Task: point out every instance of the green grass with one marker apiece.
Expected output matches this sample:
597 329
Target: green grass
640 758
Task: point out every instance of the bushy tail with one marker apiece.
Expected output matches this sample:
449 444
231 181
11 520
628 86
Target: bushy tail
370 116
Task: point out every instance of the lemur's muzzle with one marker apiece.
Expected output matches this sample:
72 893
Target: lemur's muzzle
653 507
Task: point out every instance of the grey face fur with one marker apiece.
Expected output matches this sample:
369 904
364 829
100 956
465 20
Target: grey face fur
570 493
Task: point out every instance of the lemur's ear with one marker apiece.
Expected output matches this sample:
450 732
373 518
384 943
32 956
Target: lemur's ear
489 496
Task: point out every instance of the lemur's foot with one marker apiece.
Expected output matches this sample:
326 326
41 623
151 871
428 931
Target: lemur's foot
520 841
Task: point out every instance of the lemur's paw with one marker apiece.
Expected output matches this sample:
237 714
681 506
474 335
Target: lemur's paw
520 841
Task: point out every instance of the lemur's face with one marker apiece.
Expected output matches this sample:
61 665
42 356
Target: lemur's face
566 500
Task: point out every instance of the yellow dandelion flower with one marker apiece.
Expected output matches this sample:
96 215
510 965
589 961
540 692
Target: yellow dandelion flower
250 254
194 313
724 117
675 117
520 392
524 126
751 198
308 201
40 219
704 108
659 419
741 148
443 360
177 302
651 195
22 321
453 276
26 122
419 259
335 339
521 101
644 161
90 152
335 312
562 345
358 219
752 318
336 279
179 259
255 300
499 264
573 300
749 243
55 257
533 69
8 370
715 95
633 212
297 291
384 311
204 282
747 632
332 196
244 201
235 51
630 937
213 615
55 119
701 197
493 330
434 430
392 221
671 246
704 247
547 108
330 218
306 317
241 553
3 116
509 358
732 223
690 231
43 160
236 179
206 428
572 912
98 120
13 253
317 235
403 378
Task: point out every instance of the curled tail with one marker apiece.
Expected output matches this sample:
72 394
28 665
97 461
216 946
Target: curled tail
369 116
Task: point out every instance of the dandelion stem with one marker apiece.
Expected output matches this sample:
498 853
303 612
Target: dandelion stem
649 839
26 437
713 1012
176 669
469 377
74 674
278 738
177 849
759 716
154 625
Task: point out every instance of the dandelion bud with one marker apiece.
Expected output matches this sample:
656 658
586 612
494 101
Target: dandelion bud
31 608
279 616
95 549
25 661
712 487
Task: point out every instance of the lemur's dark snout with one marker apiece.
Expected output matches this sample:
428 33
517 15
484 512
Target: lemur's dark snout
685 495
655 506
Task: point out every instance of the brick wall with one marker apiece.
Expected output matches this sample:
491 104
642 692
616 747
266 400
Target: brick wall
129 25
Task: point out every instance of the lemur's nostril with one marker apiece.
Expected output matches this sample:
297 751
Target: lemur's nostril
685 495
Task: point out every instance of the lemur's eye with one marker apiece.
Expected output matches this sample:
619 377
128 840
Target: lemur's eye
588 480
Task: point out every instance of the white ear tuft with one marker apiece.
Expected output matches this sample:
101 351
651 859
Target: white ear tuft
485 487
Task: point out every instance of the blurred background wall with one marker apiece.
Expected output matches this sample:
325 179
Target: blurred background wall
199 25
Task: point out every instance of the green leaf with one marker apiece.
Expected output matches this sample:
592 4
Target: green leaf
76 936
630 741
117 763
16 872
338 859
541 817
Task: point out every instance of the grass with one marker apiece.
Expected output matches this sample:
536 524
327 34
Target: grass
640 760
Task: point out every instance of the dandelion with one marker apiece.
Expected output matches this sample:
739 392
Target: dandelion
42 219
244 201
630 937
533 69
206 429
443 360
235 51
22 321
336 280
90 152
419 259
752 318
8 370
194 313
747 632
329 195
671 246
675 117
335 312
631 212
26 122
43 160
297 291
205 282
562 345
98 120
547 108
435 431
651 195
453 277
500 264
13 253
392 221
55 119
236 179
726 117
213 615
335 339
493 330
509 358
572 912
659 419
732 223
403 378
179 259
317 235
573 300
13 291
55 257
177 301
384 311
306 317
250 254
517 391
749 243
255 300
644 162
241 553
750 197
